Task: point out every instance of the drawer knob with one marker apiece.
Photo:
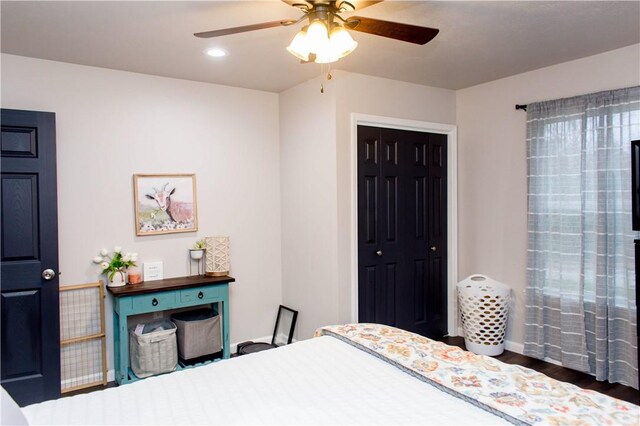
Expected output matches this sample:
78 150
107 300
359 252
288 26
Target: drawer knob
154 302
200 295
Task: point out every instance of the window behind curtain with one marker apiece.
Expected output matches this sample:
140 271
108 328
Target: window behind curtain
580 275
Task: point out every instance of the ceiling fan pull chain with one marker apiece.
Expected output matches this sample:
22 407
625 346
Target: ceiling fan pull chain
329 76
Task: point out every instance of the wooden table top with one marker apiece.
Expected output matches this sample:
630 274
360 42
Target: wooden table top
167 284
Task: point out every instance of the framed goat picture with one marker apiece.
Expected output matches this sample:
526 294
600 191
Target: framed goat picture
165 204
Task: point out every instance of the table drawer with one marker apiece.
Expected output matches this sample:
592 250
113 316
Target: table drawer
153 302
201 293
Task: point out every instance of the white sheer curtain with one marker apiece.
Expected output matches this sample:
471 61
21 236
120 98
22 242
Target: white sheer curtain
580 298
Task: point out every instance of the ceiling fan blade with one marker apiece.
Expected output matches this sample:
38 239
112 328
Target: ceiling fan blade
245 28
395 30
341 5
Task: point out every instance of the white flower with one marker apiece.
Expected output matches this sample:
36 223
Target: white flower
104 252
104 265
126 257
117 249
97 259
134 257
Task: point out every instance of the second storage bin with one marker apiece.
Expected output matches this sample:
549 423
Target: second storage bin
198 333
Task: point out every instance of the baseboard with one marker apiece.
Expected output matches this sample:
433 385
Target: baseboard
508 345
514 347
519 349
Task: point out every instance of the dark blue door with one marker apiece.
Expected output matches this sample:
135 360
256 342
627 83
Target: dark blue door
402 229
30 331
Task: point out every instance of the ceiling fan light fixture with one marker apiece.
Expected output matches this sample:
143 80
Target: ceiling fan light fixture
317 36
341 43
299 46
327 39
325 56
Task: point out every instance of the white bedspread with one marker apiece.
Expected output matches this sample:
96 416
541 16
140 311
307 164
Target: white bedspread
316 381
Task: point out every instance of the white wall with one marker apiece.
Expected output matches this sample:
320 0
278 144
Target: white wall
316 183
492 162
112 124
309 221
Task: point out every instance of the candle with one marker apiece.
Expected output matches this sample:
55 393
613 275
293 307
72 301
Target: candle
134 275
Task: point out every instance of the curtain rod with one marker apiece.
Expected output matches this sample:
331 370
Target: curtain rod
522 107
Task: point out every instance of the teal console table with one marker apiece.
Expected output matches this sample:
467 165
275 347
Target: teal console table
162 295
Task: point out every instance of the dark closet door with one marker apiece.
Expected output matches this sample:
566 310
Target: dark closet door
402 226
30 331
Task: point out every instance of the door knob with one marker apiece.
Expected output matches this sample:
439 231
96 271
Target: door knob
433 248
48 274
379 252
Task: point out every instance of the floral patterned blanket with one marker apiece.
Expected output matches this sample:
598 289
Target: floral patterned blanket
517 394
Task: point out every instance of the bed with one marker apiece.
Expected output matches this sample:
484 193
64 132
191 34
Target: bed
348 374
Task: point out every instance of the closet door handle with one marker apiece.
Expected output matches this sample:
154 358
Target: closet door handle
154 302
200 295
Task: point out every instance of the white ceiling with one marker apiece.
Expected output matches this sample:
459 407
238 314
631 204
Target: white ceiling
479 41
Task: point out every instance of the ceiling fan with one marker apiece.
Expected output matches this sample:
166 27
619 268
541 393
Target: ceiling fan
325 39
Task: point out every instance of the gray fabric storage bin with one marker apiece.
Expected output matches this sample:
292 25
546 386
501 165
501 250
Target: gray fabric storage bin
155 350
198 333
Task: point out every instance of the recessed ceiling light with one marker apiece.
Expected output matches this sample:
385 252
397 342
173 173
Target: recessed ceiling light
216 52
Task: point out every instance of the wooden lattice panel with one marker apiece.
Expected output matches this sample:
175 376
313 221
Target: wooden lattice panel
217 257
83 355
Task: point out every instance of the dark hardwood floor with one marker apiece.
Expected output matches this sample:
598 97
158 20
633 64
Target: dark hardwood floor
583 380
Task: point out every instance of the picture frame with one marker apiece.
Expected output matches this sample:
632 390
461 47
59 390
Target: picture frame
165 203
285 325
